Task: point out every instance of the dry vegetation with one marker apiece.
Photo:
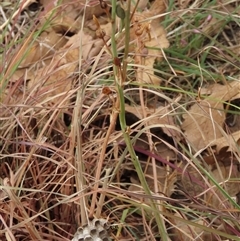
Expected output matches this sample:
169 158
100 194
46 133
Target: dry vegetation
127 113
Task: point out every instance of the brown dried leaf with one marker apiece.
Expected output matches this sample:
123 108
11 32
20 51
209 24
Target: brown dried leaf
51 84
89 46
204 122
65 24
223 156
231 141
73 8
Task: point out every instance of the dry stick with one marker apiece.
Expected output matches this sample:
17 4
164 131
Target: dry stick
84 116
75 134
102 155
134 10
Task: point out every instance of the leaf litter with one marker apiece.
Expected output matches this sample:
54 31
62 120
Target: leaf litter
37 108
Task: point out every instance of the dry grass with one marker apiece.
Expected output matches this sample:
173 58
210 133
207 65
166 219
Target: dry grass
65 155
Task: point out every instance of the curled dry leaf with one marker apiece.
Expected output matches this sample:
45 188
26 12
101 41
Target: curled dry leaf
204 122
62 17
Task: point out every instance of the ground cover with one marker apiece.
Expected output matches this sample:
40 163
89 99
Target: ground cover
119 117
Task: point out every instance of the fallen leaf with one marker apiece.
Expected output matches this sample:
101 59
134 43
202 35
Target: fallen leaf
231 141
203 123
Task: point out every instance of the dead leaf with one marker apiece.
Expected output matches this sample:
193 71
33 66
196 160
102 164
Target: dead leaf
223 156
203 123
231 141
